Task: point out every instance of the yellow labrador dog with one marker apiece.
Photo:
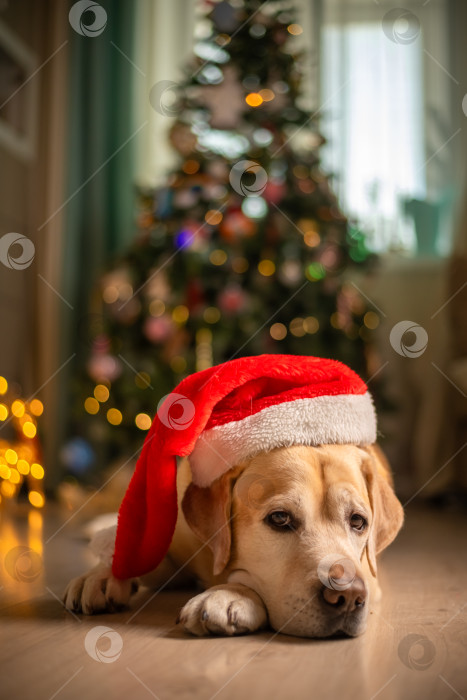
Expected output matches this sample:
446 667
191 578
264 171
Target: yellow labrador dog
289 539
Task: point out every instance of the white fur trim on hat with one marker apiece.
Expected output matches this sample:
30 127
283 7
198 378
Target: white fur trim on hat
323 420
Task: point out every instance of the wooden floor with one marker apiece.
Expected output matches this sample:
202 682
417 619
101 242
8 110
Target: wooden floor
415 646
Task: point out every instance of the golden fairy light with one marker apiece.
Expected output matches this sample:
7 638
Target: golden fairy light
114 416
254 99
211 314
218 257
295 29
143 421
20 455
101 393
91 405
278 331
180 314
266 268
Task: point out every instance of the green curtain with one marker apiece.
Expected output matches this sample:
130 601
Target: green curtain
100 174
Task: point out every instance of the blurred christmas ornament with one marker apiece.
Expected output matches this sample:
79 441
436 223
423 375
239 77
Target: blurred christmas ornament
225 17
182 138
186 198
290 273
194 295
116 286
157 285
158 329
232 299
225 101
274 191
77 456
192 236
236 225
103 367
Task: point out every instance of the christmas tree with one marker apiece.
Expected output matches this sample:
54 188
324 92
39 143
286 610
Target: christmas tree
244 251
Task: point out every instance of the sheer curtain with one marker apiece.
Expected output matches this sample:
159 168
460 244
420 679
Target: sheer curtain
384 113
163 44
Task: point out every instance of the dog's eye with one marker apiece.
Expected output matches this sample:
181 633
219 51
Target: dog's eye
358 522
280 520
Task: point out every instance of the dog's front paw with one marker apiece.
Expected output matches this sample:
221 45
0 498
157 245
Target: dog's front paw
98 591
228 609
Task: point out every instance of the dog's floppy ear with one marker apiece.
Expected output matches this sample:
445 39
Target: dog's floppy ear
208 513
387 512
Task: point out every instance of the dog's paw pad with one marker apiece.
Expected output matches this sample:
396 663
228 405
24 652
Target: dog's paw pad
228 610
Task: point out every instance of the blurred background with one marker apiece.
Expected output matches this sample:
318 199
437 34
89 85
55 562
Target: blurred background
187 182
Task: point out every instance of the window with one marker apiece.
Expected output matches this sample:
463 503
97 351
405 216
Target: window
376 106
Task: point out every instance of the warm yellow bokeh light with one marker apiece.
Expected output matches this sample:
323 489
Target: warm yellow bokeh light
180 314
218 257
336 320
296 327
254 99
156 307
267 95
29 429
294 29
14 477
36 499
266 268
101 393
240 265
3 411
143 421
371 320
211 314
22 466
91 405
36 407
190 167
37 471
114 416
312 239
11 456
17 408
110 294
213 217
3 385
8 489
5 471
311 325
278 331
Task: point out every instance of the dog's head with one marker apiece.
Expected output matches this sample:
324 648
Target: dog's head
301 526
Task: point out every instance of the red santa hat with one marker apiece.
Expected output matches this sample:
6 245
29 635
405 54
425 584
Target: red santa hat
222 416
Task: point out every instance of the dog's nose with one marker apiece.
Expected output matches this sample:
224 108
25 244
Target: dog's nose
352 598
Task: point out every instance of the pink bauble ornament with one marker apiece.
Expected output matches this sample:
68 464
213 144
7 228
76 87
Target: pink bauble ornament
232 299
274 191
157 330
103 368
